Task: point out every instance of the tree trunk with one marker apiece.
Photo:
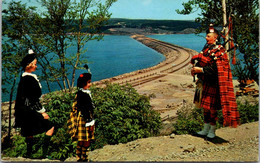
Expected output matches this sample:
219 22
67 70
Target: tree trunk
225 25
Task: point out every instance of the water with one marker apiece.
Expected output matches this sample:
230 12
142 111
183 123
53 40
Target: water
113 56
191 41
120 54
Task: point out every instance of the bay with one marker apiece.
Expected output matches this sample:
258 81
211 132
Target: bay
116 55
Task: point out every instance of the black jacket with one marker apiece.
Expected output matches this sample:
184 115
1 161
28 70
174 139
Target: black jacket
85 105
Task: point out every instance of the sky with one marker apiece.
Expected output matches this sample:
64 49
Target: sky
142 9
150 9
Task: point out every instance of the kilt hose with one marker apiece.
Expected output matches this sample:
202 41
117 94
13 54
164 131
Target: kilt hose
76 126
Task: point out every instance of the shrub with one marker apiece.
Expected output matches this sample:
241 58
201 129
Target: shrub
17 147
248 112
189 120
122 115
59 105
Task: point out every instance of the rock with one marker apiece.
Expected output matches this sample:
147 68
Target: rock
172 135
189 148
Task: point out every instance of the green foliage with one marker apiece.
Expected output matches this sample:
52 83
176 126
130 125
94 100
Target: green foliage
248 112
122 115
17 147
59 106
191 120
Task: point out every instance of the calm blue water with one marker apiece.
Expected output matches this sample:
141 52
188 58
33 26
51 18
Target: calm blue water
191 41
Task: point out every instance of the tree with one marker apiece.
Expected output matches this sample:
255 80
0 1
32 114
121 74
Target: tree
245 29
70 23
16 26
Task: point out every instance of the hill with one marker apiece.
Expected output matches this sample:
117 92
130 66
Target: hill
145 26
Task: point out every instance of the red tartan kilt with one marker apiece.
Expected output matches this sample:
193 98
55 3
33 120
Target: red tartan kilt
210 97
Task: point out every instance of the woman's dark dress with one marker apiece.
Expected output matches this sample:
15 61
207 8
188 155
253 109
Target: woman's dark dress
28 108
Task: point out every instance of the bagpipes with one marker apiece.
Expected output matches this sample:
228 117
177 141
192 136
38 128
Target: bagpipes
232 46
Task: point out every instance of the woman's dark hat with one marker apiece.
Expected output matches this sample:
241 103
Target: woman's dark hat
212 30
28 59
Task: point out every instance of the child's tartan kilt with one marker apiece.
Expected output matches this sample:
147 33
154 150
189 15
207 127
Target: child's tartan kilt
76 126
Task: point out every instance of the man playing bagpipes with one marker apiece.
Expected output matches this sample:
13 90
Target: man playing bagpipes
214 85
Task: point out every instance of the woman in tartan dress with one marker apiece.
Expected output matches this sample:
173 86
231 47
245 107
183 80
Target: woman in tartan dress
214 71
81 122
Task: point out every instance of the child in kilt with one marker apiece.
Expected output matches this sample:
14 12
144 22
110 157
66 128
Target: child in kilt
81 122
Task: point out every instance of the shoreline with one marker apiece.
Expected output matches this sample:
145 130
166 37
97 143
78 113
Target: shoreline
174 56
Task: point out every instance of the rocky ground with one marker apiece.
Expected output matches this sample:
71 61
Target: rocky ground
232 144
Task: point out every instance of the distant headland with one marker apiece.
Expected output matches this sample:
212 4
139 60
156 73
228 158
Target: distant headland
120 26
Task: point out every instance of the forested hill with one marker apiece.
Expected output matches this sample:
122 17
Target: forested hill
119 26
145 26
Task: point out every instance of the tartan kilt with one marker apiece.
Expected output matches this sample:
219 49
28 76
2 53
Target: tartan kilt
84 133
76 127
210 97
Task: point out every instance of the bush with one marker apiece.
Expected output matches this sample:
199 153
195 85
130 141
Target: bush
59 105
16 148
122 115
248 112
190 120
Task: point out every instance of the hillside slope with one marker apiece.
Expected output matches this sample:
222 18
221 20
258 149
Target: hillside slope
232 144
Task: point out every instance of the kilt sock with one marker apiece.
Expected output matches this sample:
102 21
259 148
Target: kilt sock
78 152
84 153
210 116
